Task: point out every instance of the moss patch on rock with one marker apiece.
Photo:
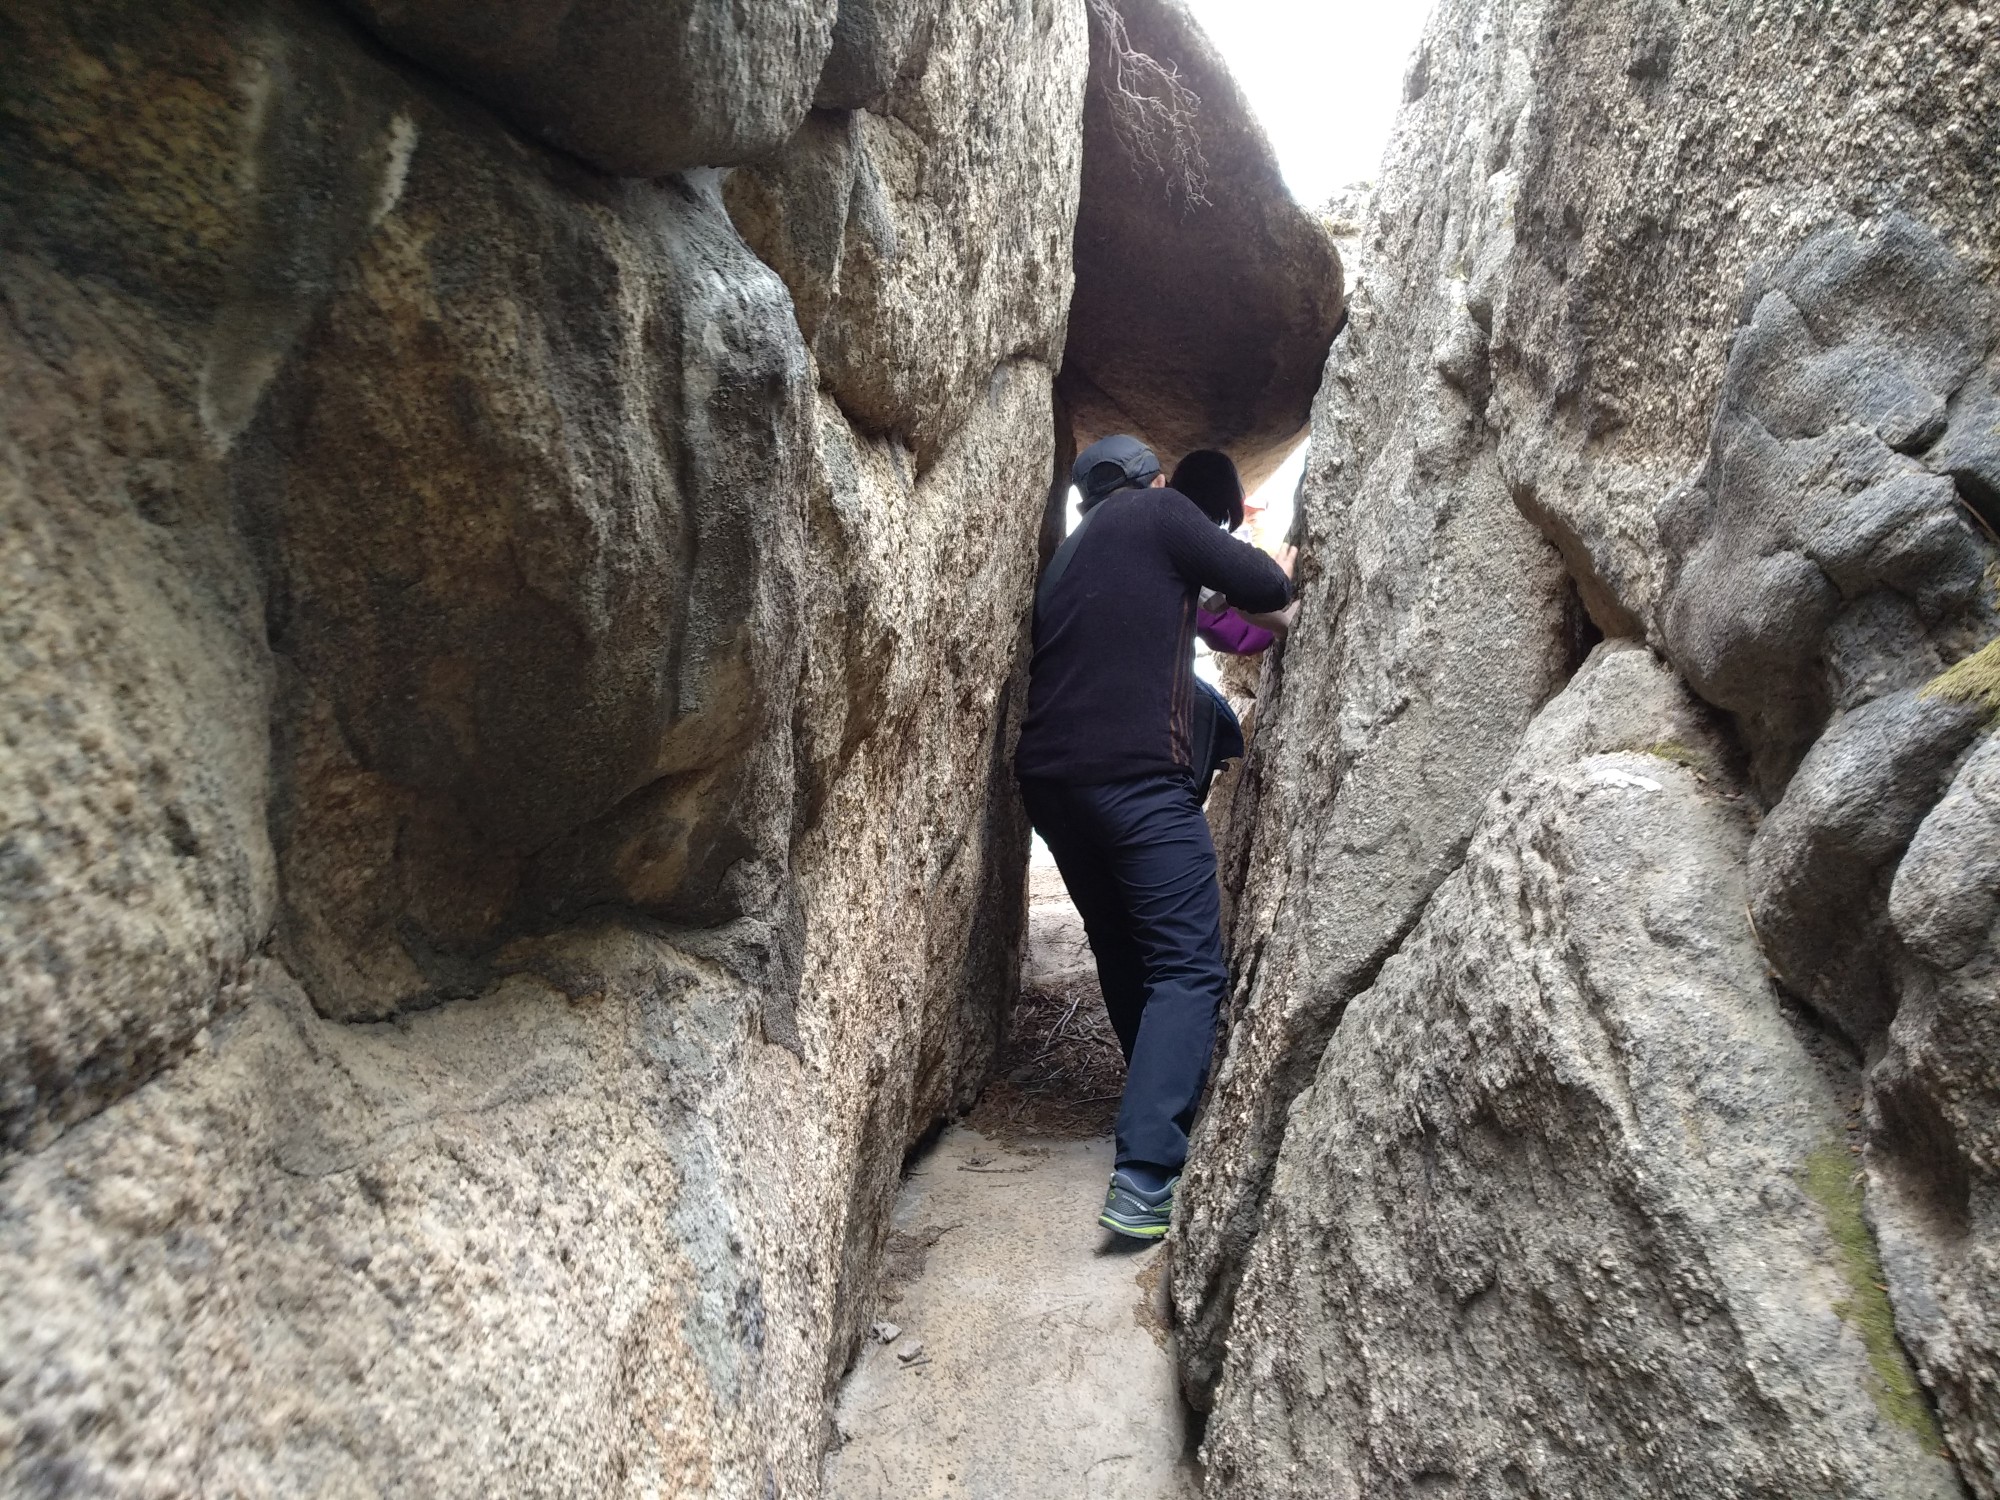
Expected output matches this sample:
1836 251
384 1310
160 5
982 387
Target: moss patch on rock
1832 1183
1685 756
1975 680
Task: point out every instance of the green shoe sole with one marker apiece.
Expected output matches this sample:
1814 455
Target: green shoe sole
1148 1229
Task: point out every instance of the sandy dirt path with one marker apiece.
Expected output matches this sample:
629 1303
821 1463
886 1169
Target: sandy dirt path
1045 1370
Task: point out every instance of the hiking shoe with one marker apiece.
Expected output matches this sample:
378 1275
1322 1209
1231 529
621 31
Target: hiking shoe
1135 1213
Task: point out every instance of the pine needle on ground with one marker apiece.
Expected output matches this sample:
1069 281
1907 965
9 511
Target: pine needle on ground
1060 1073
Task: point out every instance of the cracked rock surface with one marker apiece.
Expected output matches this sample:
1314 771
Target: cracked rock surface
516 524
1703 296
1549 1219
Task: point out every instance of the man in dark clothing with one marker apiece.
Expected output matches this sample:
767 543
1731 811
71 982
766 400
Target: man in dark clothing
1105 768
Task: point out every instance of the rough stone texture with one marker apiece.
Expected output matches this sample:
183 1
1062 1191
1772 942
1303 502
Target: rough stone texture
1815 564
507 830
1821 863
135 869
871 42
636 87
1969 451
506 707
578 1195
534 1219
1831 551
1549 1220
441 570
1721 279
1202 317
1662 153
909 875
1934 1112
466 594
1434 625
927 237
138 872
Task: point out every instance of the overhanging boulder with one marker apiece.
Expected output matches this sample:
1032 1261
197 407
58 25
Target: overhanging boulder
1205 296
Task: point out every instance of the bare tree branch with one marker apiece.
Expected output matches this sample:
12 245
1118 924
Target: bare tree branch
1152 110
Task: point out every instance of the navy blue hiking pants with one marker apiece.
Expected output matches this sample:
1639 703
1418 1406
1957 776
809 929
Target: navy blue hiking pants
1139 864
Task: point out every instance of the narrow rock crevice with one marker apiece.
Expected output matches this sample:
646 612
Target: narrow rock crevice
567 599
517 525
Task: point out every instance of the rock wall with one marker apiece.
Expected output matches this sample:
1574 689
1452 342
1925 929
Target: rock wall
480 679
516 525
1435 621
1563 1211
1608 1105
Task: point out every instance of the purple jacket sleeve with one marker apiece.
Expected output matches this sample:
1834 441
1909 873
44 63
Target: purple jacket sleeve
1230 633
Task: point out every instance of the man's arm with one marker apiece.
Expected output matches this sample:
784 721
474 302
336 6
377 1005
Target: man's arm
1209 558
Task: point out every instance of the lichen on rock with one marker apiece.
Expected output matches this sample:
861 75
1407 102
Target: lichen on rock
1833 1181
1975 682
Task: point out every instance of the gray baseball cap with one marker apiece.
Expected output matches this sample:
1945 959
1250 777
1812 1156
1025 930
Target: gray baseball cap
1112 464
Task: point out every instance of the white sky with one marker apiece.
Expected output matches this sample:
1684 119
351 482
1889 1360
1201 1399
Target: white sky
1324 76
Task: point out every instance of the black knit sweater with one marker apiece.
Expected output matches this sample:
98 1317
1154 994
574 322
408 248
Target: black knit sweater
1111 685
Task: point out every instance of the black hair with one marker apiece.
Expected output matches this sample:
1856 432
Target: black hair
1208 477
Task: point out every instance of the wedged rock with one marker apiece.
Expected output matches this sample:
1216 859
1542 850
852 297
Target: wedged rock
1822 862
1817 564
1569 1207
1934 1113
927 238
1205 297
635 87
1435 623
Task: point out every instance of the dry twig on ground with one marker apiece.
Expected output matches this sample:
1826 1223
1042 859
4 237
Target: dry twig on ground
1061 1071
